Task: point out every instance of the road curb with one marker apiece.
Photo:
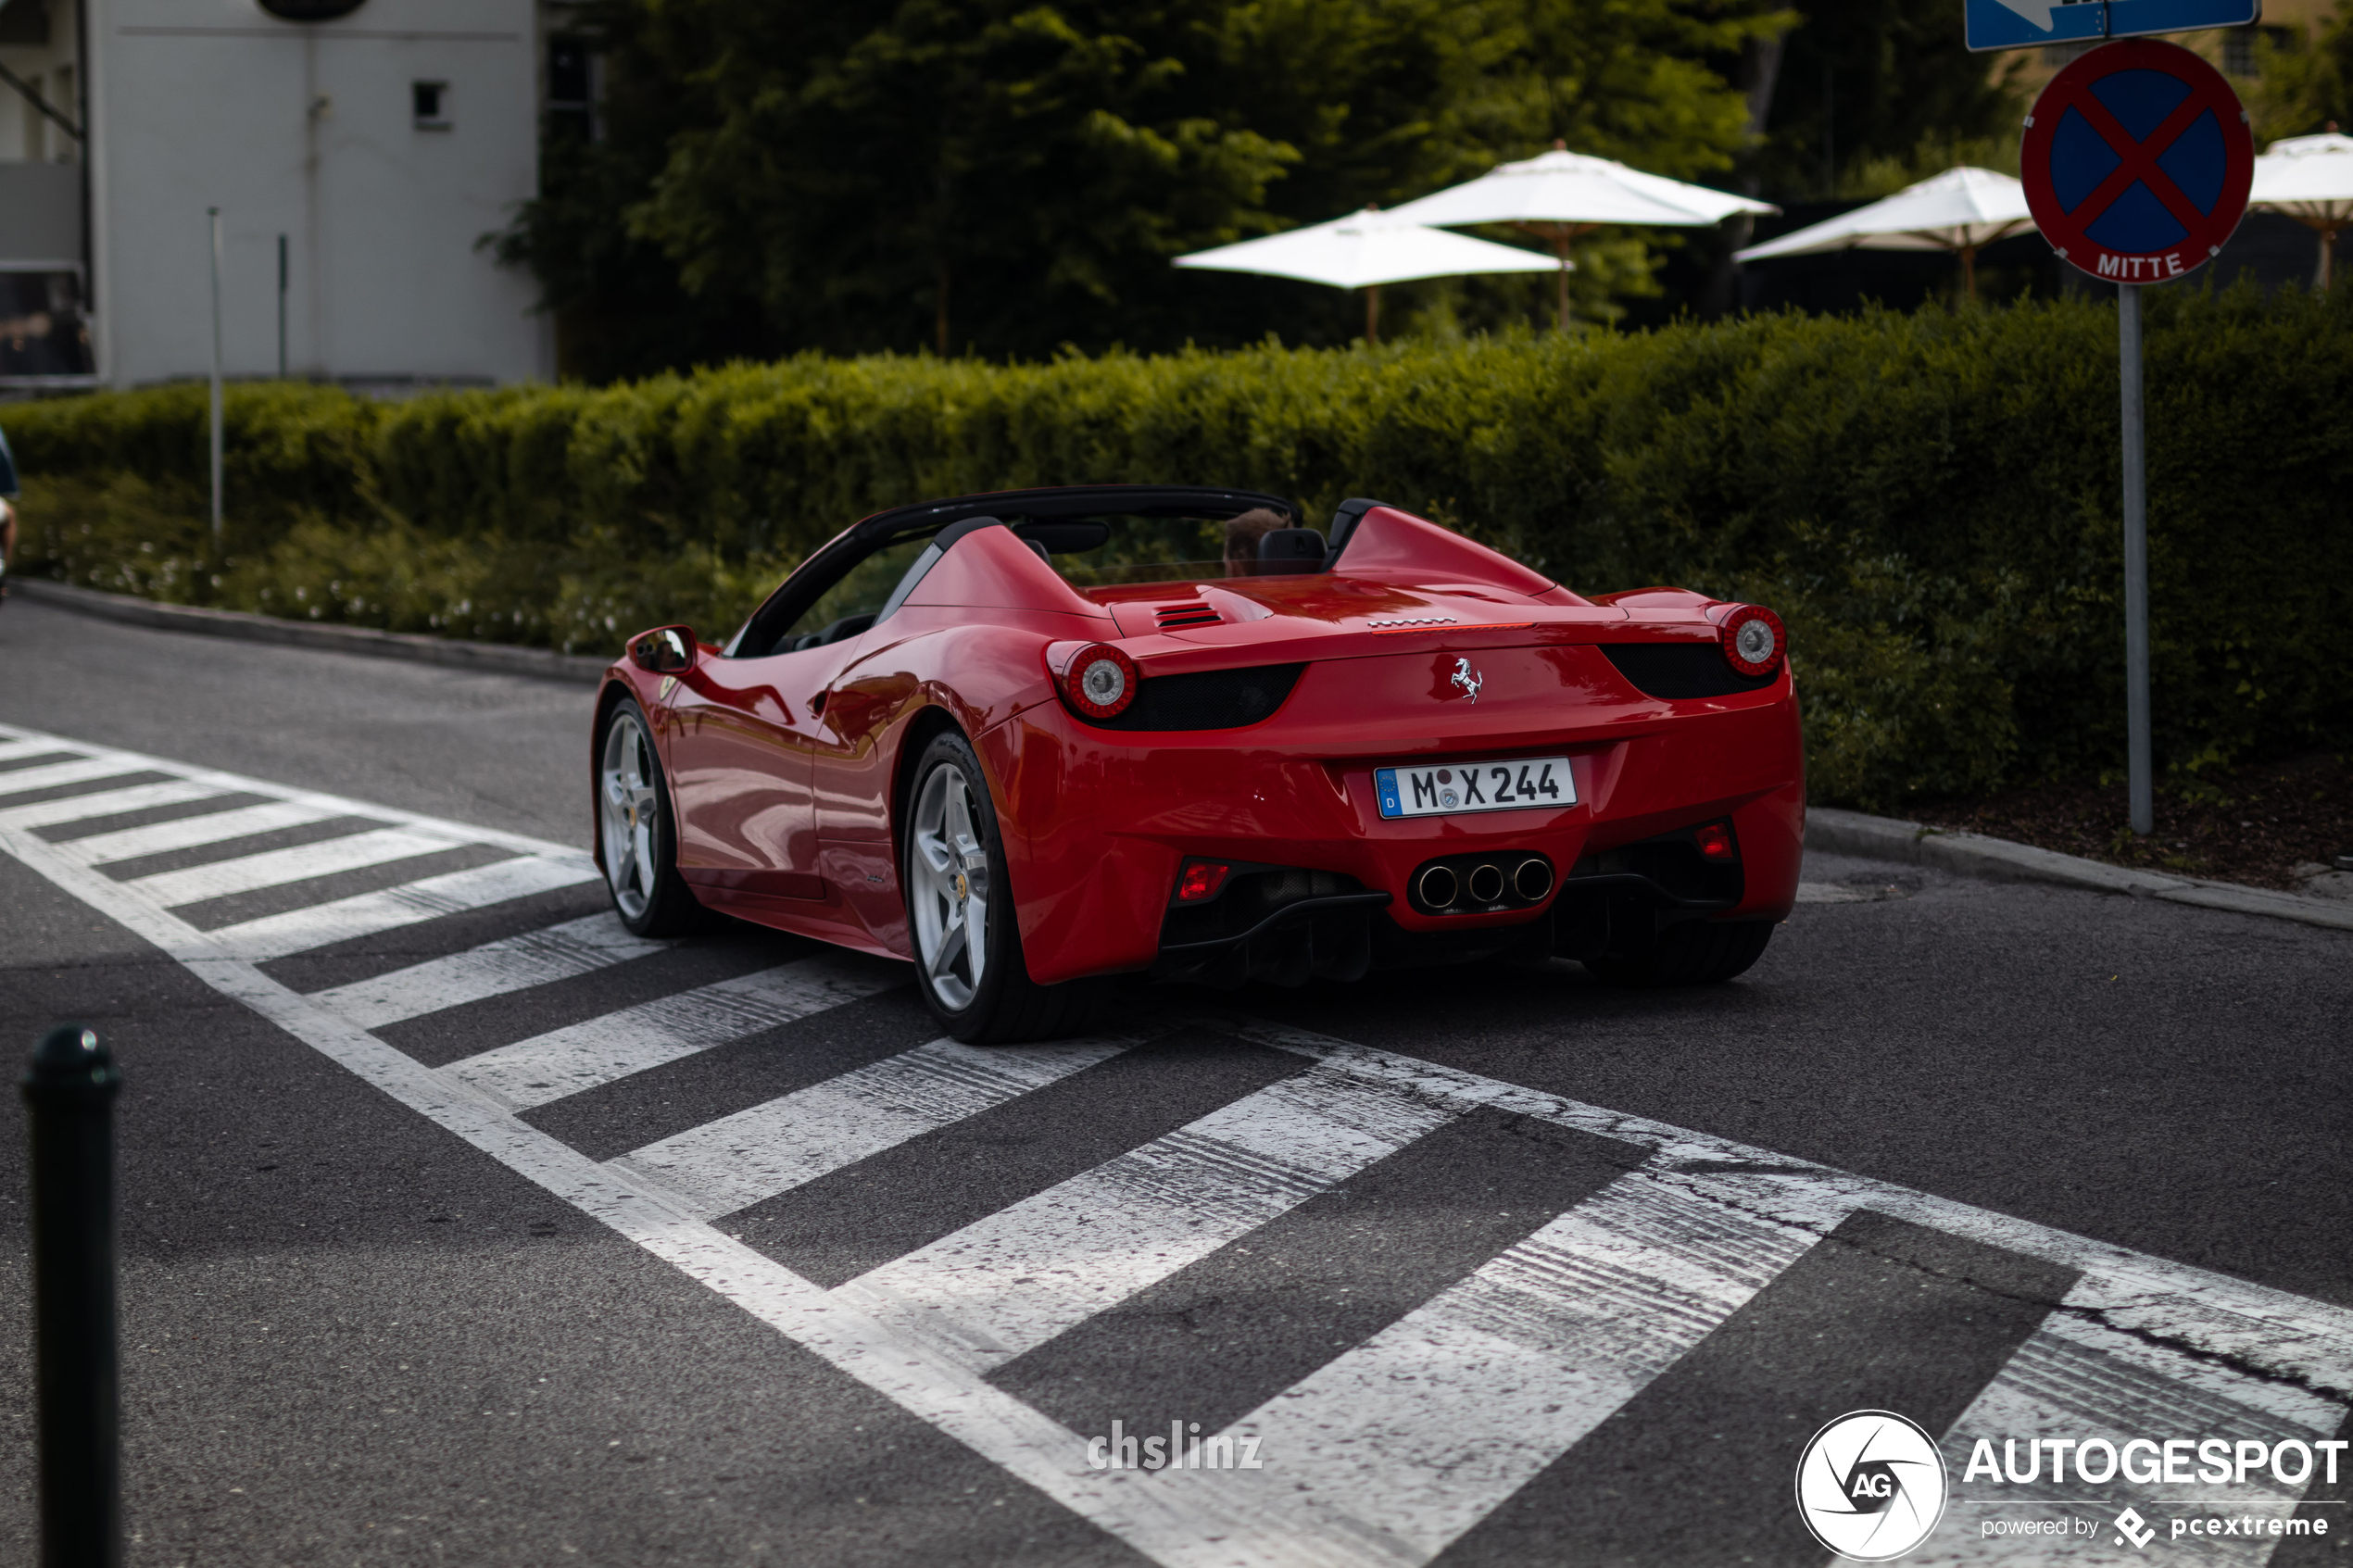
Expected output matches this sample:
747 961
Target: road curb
1998 860
488 659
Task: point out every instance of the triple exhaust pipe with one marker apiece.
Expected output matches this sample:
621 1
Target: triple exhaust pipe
1440 885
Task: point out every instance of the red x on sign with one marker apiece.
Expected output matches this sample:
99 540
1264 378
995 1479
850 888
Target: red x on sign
2137 161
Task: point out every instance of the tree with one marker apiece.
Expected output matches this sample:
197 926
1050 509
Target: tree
618 308
989 171
2306 82
1007 177
1876 81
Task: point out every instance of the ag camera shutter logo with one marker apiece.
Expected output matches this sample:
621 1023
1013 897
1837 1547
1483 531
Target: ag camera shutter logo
1870 1485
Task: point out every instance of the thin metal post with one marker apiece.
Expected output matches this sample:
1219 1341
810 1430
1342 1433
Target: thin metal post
214 214
281 308
2136 563
69 1090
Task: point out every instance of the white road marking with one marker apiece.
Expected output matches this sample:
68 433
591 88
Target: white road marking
332 805
1034 1449
38 745
364 914
274 868
495 969
2177 1320
50 774
1416 1434
2292 1337
1011 1282
106 803
737 1160
187 833
565 1062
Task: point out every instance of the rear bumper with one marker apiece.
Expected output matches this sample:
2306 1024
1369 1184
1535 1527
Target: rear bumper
1102 820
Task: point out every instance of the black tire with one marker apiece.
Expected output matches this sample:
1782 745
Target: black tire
1696 953
641 876
1005 1007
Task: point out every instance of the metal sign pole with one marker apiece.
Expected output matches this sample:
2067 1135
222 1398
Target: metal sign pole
2136 562
214 213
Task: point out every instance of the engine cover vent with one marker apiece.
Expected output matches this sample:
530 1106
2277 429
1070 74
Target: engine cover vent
1172 618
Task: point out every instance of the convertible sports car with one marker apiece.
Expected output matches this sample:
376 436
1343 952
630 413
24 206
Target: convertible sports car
1034 739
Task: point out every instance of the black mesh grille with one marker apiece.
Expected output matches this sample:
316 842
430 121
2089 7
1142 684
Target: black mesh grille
1215 699
1681 670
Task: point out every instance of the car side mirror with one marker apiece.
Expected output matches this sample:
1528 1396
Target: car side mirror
665 651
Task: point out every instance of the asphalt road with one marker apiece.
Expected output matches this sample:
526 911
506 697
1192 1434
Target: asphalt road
351 1335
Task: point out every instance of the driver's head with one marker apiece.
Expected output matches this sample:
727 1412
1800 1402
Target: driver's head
1242 534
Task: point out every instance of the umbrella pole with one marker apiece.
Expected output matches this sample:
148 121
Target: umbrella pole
2328 257
1372 314
1969 273
1560 249
941 326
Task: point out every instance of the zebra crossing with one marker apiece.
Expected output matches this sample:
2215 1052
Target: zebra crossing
1634 1253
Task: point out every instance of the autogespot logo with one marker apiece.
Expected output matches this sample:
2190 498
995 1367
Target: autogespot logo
1870 1485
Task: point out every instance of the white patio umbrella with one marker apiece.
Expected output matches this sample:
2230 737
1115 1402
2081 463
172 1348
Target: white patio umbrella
1961 211
1364 250
1559 195
2310 179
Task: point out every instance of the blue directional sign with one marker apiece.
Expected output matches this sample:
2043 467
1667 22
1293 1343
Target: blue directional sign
2023 24
2020 24
2137 18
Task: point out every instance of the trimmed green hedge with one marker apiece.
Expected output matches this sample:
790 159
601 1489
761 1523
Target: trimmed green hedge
1930 499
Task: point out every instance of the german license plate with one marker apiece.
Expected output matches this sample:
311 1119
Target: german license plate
1447 789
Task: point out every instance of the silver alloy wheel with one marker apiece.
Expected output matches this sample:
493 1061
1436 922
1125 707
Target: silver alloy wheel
949 871
626 808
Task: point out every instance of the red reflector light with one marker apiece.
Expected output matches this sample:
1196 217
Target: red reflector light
1715 841
1201 879
1099 681
1754 641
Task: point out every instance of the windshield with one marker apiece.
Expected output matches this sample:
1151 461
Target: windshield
853 586
1111 551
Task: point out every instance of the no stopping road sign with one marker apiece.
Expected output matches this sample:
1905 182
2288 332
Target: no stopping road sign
2137 162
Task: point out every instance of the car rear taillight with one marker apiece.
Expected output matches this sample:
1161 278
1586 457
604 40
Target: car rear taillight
1200 880
1715 841
1754 640
1099 681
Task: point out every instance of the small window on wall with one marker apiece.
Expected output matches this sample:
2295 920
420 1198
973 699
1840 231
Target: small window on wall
2242 55
571 88
429 104
42 329
569 74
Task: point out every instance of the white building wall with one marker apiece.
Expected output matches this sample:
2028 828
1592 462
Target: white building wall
306 130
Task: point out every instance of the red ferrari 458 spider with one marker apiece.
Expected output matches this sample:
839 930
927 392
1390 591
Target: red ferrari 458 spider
1035 739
